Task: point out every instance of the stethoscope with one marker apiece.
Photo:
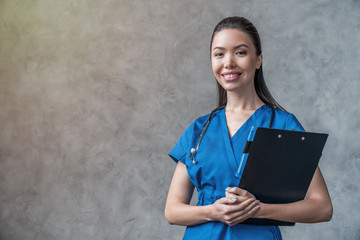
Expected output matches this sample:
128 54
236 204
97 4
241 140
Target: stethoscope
194 151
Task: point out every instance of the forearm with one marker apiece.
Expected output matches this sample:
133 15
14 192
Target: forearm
178 209
316 207
187 215
305 211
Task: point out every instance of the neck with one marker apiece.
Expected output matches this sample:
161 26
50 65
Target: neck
246 100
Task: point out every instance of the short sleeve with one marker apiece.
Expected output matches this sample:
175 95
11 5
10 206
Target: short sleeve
181 148
293 124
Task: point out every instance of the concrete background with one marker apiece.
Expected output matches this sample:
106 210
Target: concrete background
94 94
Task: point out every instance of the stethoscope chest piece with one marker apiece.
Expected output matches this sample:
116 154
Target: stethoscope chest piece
192 152
195 150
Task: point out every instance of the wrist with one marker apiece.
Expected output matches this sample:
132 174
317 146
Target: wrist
263 211
209 213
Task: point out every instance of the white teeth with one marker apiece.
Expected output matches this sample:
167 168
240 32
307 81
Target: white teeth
231 75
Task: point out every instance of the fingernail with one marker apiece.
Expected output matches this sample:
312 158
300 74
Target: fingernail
228 189
233 199
257 207
257 202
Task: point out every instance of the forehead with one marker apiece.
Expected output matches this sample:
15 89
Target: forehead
230 38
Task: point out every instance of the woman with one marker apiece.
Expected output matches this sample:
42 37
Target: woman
236 60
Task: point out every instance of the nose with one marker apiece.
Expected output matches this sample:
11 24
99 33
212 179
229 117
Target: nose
229 62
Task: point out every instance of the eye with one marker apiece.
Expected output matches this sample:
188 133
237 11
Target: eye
218 54
241 53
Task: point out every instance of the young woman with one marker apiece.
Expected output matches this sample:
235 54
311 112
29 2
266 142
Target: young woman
236 60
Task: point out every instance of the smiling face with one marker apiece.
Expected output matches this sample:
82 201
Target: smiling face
234 60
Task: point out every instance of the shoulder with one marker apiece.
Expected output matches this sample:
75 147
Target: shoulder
289 120
201 120
283 115
214 114
187 139
196 125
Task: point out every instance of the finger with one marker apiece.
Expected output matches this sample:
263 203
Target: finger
236 190
231 208
253 211
238 197
251 208
231 195
242 209
246 205
227 194
226 200
244 214
243 217
235 210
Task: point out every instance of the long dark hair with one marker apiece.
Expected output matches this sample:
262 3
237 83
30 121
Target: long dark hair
244 25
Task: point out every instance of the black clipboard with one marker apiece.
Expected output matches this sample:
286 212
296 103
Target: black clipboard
280 167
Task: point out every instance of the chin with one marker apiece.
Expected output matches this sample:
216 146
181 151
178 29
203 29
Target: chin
233 88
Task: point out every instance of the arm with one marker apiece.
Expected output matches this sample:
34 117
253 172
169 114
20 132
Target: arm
316 207
178 211
177 208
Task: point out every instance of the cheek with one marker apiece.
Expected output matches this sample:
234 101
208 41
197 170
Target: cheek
247 63
216 66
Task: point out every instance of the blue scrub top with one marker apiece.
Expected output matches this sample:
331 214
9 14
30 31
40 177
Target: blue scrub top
218 161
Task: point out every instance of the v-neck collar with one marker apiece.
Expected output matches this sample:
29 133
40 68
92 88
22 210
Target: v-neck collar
247 125
229 141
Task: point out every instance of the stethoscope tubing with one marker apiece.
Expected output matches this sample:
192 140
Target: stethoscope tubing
194 151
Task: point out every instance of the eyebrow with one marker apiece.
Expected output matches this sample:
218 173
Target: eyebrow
237 46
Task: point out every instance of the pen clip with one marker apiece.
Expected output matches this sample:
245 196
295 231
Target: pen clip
245 153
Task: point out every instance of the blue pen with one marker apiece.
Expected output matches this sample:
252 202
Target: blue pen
240 170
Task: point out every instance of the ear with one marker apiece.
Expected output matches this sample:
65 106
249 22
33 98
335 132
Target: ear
259 61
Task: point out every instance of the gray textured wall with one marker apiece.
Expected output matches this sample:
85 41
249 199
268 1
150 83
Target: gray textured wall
94 94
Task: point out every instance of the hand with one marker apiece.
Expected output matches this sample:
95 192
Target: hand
231 211
238 193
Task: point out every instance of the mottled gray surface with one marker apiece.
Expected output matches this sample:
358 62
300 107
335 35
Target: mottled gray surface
94 94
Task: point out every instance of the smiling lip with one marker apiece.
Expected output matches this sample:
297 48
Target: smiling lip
231 76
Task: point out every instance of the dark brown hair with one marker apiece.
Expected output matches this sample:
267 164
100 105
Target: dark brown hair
244 25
